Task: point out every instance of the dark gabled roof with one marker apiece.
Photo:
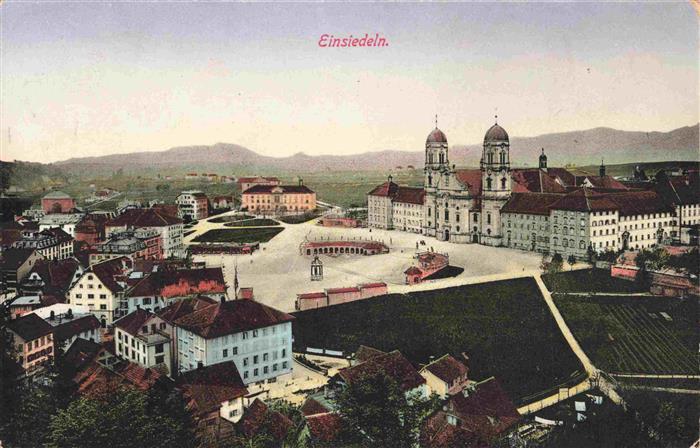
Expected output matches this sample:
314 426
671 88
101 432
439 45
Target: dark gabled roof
56 274
30 327
410 195
447 368
530 203
487 411
206 388
133 322
180 282
312 407
57 232
181 308
286 189
678 191
143 217
392 364
584 200
365 353
13 258
387 189
604 182
81 352
535 181
565 176
67 330
56 194
630 203
257 415
324 428
108 271
471 179
242 180
233 316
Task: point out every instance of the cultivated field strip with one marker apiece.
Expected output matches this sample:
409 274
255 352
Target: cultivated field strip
648 345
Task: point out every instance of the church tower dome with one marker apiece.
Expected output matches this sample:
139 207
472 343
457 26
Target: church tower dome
436 150
436 136
496 134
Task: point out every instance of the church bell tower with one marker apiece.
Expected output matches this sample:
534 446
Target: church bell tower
495 182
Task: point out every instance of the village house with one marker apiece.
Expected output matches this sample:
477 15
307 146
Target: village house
245 183
192 205
143 338
169 227
22 305
213 392
164 286
65 221
478 415
138 244
51 278
222 202
445 376
57 202
52 244
33 340
70 324
257 338
278 199
15 265
101 288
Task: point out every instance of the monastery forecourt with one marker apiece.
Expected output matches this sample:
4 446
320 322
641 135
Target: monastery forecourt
546 210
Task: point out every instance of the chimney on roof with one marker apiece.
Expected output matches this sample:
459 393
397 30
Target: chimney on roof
52 315
301 182
69 314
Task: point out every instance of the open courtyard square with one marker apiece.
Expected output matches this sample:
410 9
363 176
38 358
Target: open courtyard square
280 259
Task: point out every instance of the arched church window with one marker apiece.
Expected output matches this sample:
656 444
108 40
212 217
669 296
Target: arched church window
488 218
457 217
488 183
503 157
488 231
555 240
489 157
430 179
503 183
447 215
428 212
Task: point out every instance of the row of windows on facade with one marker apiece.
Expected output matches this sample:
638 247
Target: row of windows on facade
265 370
38 342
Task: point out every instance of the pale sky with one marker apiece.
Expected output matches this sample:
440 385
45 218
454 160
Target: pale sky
88 79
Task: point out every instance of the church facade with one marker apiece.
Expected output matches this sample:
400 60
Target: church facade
548 210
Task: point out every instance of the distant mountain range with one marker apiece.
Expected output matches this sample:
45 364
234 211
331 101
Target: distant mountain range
577 147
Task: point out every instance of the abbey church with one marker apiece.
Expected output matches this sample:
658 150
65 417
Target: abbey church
548 210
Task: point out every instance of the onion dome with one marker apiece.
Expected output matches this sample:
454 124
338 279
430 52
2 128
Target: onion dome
496 134
437 136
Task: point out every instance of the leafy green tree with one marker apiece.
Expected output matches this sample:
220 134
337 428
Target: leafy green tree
669 424
571 260
122 420
375 409
12 390
556 264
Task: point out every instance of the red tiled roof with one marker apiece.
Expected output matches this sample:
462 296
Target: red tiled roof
387 189
447 368
181 308
233 316
365 353
471 179
606 182
363 244
535 181
413 270
342 290
584 200
143 217
81 352
324 427
259 414
207 388
530 203
393 364
372 285
564 175
56 274
630 203
286 189
313 407
180 282
410 195
311 295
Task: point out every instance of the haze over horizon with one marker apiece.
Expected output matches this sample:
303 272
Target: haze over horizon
92 79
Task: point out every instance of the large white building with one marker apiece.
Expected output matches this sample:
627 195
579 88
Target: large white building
101 288
257 338
171 228
548 210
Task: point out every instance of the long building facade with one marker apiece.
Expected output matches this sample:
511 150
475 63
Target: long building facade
547 210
